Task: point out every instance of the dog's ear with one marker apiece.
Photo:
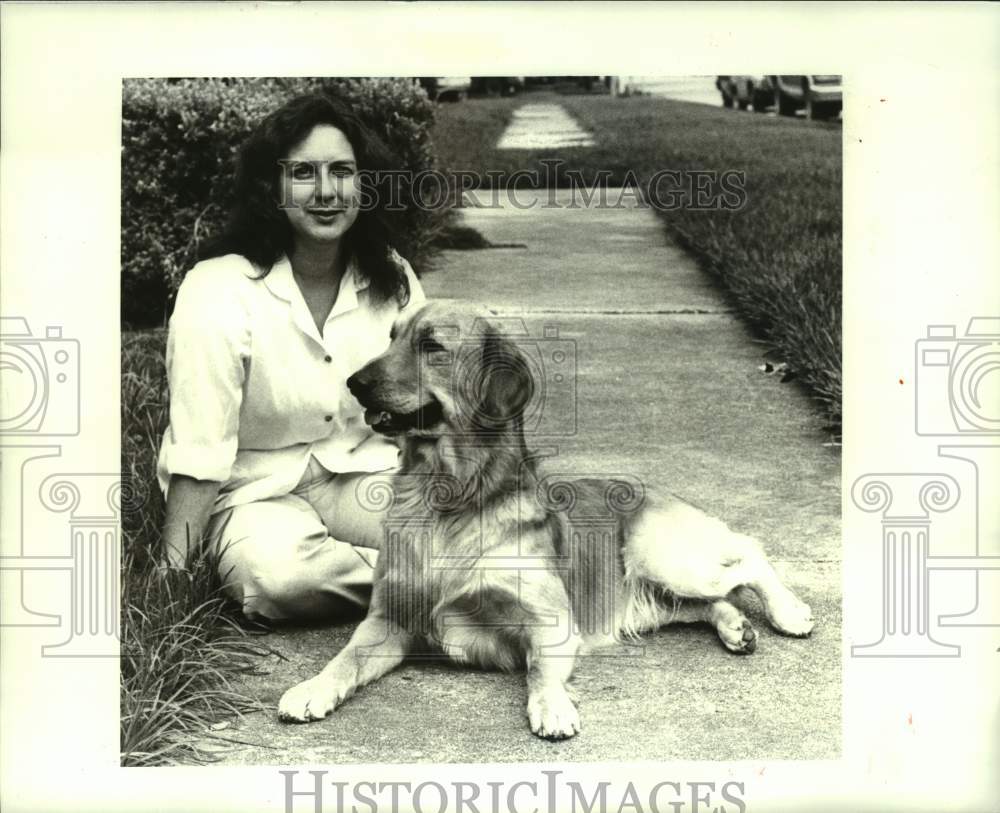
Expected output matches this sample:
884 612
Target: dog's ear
506 383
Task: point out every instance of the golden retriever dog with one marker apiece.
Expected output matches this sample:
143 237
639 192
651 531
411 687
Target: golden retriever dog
487 562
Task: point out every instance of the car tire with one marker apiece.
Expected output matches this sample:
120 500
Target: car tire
820 111
743 104
784 104
761 101
814 110
727 101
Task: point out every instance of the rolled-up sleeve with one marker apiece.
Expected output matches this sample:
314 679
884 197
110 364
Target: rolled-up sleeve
208 346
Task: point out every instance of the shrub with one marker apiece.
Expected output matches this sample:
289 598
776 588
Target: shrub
180 138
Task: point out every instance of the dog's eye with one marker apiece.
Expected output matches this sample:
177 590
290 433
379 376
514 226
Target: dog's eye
392 333
435 352
430 346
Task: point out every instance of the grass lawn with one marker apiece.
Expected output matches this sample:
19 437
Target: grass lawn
779 256
180 639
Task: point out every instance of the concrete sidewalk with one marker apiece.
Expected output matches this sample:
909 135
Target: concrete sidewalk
668 390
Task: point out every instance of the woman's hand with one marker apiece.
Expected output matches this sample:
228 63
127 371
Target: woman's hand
189 505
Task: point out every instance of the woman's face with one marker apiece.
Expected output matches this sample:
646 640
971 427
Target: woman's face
319 182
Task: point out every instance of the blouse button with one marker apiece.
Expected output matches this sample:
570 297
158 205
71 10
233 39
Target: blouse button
328 418
328 359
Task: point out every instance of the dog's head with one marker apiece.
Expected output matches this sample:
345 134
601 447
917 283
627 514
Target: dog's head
449 368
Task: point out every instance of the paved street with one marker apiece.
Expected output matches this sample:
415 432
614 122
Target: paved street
700 89
668 390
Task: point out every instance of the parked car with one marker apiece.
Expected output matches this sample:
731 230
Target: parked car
496 85
744 91
820 96
454 88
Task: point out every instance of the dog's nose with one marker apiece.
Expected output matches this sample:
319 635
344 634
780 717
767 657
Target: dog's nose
359 384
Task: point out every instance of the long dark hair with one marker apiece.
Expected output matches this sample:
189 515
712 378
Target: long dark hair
259 230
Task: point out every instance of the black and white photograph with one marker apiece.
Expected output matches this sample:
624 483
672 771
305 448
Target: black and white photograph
379 440
535 376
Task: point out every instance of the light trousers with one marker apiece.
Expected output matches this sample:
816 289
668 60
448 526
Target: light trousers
305 555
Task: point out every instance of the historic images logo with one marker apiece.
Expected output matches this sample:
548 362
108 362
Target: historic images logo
41 403
958 397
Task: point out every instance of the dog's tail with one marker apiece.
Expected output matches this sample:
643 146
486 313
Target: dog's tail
646 606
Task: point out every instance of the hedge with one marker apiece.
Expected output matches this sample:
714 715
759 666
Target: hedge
179 143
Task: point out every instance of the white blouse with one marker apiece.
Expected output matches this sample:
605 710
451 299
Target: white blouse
255 389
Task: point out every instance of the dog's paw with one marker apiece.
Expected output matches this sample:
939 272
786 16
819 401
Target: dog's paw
792 617
738 636
310 700
553 716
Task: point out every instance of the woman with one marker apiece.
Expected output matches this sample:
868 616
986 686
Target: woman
267 451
